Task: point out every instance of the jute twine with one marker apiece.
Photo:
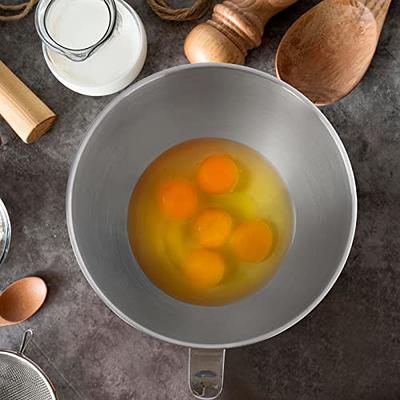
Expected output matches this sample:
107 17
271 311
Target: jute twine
160 7
18 11
165 11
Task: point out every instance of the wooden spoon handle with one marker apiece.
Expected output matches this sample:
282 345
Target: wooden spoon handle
29 117
235 27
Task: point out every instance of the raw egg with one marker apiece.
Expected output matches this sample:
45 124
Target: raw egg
252 241
218 174
177 198
204 268
212 227
209 221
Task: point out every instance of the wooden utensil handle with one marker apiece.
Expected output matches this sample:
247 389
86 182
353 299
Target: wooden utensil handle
29 117
235 27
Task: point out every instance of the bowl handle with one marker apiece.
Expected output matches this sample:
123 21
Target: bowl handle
206 372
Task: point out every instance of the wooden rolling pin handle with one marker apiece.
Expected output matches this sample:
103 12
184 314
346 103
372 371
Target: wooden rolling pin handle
235 27
27 115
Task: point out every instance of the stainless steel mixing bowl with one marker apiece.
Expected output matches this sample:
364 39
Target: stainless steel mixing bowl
230 102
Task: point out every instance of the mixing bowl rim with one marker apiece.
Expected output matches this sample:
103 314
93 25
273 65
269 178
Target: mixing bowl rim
160 75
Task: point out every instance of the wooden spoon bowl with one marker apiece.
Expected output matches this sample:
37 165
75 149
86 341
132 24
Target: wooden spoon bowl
327 51
21 300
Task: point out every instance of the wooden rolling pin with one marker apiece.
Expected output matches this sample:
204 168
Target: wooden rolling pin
27 115
235 27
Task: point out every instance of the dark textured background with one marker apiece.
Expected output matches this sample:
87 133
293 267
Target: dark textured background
348 348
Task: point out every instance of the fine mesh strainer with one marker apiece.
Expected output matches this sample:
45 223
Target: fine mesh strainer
22 379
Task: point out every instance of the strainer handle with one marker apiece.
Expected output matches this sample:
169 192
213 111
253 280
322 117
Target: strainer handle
206 372
28 335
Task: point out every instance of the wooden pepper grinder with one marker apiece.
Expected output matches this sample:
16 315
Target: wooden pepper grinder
235 27
29 117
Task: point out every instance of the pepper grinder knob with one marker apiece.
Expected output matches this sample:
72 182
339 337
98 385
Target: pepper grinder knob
236 26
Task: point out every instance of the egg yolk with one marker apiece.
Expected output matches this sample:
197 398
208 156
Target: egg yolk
177 198
204 268
212 227
218 174
252 241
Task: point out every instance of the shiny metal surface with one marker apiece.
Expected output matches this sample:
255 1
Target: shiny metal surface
236 103
20 378
5 232
206 372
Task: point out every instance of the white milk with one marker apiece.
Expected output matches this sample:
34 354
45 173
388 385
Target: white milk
77 24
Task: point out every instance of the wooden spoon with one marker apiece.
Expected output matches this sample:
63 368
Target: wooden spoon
327 51
21 300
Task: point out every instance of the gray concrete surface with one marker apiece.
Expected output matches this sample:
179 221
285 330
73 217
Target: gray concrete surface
348 348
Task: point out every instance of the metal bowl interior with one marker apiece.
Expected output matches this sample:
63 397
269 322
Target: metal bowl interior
212 100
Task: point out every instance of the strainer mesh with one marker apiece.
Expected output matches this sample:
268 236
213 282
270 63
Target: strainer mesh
19 380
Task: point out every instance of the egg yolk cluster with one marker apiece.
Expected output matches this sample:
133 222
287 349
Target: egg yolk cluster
250 241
